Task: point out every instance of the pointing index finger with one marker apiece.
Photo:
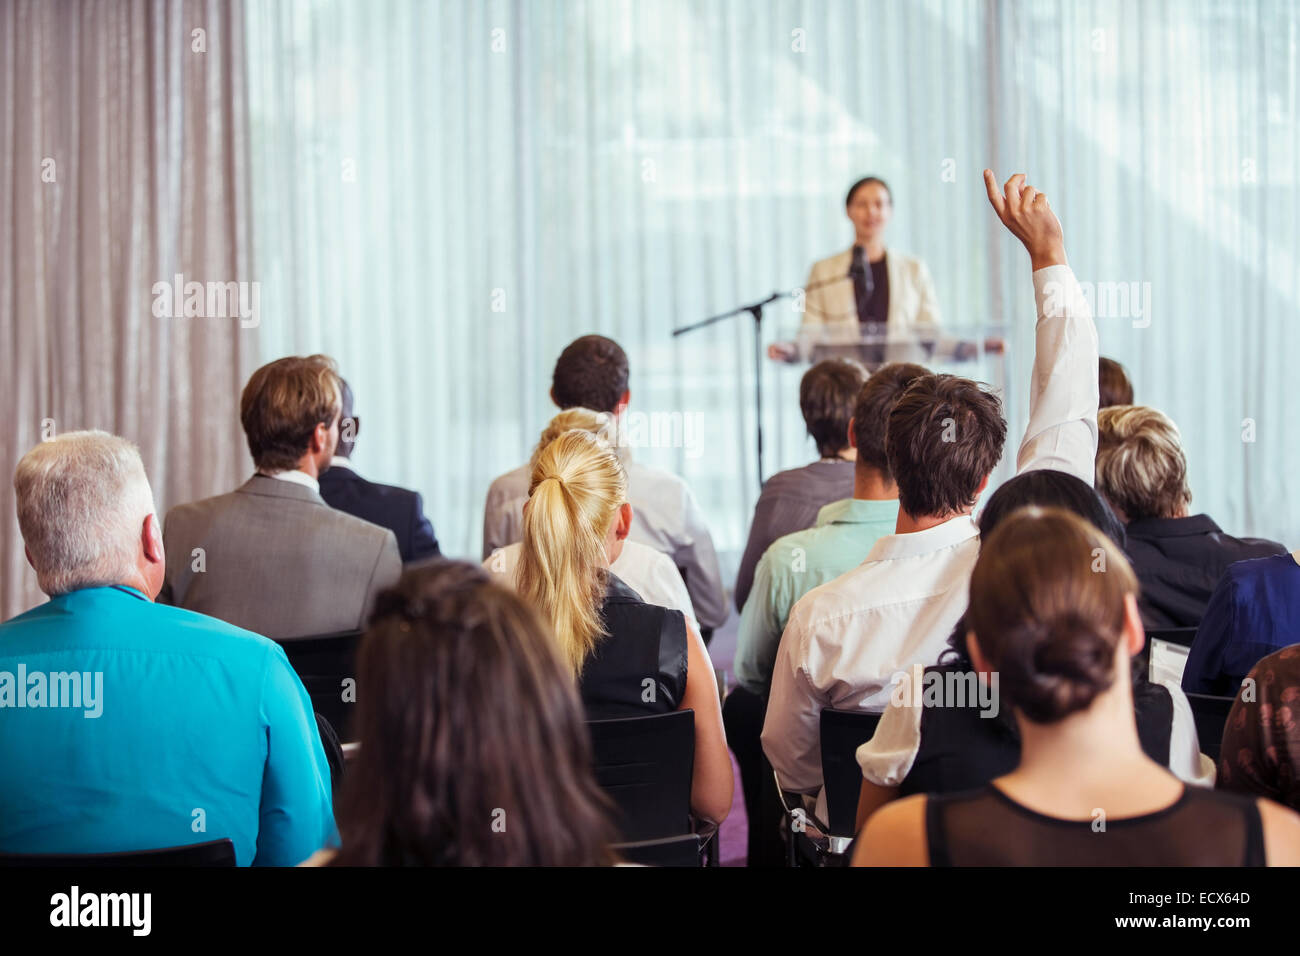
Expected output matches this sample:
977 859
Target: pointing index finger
995 197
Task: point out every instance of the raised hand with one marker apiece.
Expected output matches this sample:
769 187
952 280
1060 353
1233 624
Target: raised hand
1026 213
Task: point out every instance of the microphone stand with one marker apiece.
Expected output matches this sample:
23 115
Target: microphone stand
756 310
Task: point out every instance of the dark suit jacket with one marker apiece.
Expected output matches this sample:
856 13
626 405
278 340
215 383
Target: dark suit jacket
1179 562
397 509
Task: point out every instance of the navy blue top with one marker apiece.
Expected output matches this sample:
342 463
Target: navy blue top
1253 612
400 510
171 728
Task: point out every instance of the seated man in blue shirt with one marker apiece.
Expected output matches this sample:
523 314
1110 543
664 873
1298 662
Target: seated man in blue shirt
130 725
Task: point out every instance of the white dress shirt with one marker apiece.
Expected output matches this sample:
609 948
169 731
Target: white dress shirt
847 639
294 476
666 518
645 570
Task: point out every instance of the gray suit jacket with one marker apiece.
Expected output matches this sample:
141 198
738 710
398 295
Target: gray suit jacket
276 560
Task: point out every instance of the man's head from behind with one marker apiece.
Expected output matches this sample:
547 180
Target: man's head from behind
86 514
349 421
944 438
827 392
591 372
291 409
876 399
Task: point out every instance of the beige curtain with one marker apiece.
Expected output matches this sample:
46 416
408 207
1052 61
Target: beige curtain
124 164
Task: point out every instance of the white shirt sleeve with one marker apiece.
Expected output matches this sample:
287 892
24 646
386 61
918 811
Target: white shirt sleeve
1186 762
695 554
792 730
887 757
1063 395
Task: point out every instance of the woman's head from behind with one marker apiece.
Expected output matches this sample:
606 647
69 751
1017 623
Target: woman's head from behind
474 749
1141 466
1052 600
575 520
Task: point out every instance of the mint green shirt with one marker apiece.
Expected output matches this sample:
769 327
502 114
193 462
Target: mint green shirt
795 564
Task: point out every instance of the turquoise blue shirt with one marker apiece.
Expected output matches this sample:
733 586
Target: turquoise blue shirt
795 564
181 729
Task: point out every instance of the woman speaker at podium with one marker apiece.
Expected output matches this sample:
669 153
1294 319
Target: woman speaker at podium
868 291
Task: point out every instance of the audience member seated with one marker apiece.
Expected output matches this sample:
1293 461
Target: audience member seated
1142 471
1253 612
1114 387
630 658
847 639
399 510
1261 741
272 556
592 372
142 726
474 751
945 749
790 500
1060 637
650 573
795 564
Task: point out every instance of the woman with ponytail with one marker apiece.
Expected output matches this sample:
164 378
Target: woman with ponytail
1053 616
629 658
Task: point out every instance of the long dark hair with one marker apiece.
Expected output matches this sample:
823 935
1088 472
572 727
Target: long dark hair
474 750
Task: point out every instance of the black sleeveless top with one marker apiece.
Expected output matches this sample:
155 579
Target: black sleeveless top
639 667
987 828
961 750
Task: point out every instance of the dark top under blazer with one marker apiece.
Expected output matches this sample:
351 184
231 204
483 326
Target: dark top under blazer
1179 562
400 510
643 642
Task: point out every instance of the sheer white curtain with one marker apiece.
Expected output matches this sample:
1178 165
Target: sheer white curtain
1165 135
123 165
447 194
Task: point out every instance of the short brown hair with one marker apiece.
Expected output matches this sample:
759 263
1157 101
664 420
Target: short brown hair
1113 383
1046 618
827 392
283 403
944 437
876 400
591 372
1141 468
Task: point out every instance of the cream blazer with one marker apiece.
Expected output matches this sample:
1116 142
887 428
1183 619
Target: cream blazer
831 313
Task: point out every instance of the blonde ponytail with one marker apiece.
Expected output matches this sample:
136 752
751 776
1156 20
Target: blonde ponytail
576 490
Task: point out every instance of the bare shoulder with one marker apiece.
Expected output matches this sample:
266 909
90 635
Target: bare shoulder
894 835
1281 833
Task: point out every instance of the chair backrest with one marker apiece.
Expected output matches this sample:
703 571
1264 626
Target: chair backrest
842 733
322 663
681 850
646 765
212 853
333 753
1174 635
1211 715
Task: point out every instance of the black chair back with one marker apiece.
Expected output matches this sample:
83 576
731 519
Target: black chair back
322 664
646 764
333 753
212 853
1211 715
681 850
842 733
1172 635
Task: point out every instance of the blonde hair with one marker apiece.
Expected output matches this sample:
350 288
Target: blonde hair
1141 468
577 487
82 501
601 424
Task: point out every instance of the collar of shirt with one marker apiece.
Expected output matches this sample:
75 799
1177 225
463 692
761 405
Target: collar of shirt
1172 527
297 477
915 544
857 511
338 461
